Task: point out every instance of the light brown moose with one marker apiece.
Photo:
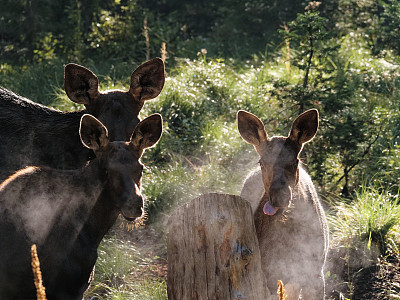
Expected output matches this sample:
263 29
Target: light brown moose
290 222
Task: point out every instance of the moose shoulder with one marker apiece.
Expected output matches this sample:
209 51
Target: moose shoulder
290 222
33 134
67 212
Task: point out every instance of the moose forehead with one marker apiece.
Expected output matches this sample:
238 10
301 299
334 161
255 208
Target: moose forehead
118 111
278 151
116 102
121 151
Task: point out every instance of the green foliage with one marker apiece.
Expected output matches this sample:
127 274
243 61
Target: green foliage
373 218
351 92
45 50
115 29
39 82
200 93
389 29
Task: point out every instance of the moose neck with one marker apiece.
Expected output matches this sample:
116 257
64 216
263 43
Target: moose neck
81 233
102 217
103 213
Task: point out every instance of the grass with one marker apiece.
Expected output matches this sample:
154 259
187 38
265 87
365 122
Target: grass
372 218
365 232
123 272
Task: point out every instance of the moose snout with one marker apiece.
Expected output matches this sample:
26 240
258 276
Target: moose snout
281 197
132 207
278 184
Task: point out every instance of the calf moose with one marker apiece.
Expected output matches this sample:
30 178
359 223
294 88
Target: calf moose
67 212
33 134
290 222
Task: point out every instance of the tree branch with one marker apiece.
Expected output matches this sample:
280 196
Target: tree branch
366 151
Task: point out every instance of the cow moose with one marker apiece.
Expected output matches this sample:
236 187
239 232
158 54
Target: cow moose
290 222
33 134
67 212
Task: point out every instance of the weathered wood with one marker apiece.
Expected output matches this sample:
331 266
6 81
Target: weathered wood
213 251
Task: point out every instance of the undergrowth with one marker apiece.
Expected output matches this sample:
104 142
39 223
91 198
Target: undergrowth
119 273
372 219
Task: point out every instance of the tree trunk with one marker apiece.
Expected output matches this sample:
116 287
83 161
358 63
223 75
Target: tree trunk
213 251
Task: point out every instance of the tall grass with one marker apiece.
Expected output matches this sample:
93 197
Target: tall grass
372 218
116 271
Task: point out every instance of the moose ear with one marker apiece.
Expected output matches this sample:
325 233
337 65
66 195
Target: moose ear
304 127
147 80
147 133
251 128
93 133
80 84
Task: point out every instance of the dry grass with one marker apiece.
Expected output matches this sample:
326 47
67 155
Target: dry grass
281 290
37 274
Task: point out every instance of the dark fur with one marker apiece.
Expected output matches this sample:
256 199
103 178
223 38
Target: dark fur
32 134
67 213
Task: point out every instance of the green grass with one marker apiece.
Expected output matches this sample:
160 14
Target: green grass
119 273
372 219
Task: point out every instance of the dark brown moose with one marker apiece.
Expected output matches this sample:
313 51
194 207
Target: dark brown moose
33 134
67 212
290 222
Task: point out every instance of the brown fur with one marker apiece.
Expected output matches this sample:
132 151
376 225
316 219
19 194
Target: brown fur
294 239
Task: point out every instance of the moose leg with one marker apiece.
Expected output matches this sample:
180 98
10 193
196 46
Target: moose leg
292 291
314 289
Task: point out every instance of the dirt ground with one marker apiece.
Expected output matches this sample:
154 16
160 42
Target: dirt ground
377 281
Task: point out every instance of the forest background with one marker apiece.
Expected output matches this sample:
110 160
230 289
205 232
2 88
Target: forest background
272 58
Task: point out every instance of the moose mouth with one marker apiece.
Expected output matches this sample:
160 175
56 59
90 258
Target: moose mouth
129 218
269 209
131 214
277 201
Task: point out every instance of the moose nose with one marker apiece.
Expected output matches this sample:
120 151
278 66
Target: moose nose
133 206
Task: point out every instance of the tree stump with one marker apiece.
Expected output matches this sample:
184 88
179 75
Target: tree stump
213 251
